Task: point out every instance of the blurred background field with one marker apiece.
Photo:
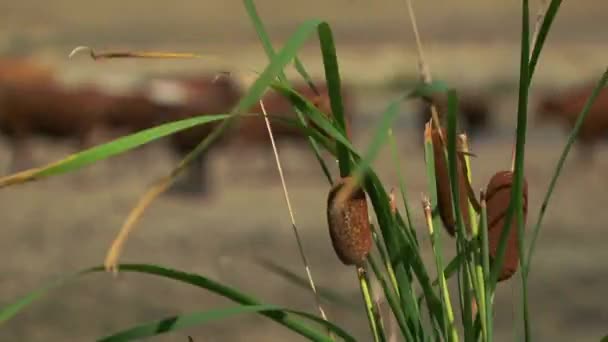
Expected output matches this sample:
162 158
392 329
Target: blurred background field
60 225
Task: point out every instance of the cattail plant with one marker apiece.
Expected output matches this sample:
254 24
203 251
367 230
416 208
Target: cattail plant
444 192
498 196
349 226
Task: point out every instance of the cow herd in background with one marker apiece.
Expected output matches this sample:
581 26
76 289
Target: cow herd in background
34 102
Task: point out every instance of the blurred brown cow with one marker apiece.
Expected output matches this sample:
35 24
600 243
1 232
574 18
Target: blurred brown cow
251 131
565 108
49 109
473 112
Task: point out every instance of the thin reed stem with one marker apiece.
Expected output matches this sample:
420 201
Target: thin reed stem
425 72
292 216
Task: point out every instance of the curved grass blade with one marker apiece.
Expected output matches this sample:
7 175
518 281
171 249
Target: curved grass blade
11 310
601 84
174 323
235 295
106 150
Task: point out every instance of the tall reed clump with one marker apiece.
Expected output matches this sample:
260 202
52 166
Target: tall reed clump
487 229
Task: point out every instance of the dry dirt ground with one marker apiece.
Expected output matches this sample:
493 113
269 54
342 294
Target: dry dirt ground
60 225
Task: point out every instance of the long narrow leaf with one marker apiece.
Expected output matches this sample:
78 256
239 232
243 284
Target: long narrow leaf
174 323
107 150
542 36
334 86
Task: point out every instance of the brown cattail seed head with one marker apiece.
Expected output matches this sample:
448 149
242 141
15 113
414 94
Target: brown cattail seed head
349 226
444 191
498 196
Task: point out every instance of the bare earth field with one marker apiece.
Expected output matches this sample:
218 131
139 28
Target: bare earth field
60 225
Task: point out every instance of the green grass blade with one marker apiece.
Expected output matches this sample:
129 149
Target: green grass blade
543 32
11 310
519 163
562 159
334 86
174 323
485 255
515 205
115 147
259 28
519 149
